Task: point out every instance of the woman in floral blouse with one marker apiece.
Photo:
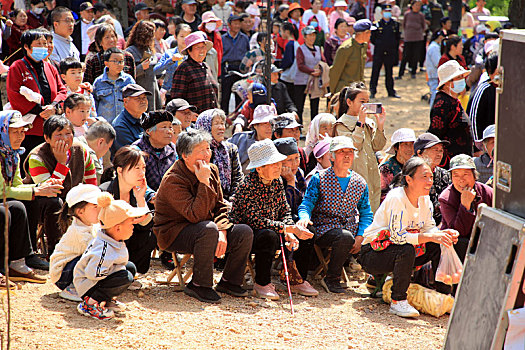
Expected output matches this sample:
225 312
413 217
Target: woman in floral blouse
260 202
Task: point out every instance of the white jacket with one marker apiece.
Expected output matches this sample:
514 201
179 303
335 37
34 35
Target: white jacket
103 256
72 244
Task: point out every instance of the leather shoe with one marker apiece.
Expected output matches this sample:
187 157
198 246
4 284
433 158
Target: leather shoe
394 96
35 262
231 289
30 276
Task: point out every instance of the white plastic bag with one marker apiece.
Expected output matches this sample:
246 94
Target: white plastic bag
450 267
515 339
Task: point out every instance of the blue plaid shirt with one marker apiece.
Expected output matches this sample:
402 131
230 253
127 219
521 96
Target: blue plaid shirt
158 162
108 94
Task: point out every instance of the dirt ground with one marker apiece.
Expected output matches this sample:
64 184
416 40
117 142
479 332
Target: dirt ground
159 318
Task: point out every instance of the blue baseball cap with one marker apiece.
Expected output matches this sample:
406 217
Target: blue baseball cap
363 25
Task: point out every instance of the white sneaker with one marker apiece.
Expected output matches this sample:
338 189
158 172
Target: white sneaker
70 293
403 308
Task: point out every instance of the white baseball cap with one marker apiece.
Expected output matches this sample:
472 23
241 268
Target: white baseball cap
401 135
82 193
490 131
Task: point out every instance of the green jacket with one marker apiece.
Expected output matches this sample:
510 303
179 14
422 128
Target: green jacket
349 65
17 190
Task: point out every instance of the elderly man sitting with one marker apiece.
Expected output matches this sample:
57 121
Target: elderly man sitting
260 202
195 221
182 111
333 200
156 142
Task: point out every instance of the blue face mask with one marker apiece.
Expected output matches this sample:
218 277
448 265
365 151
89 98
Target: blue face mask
387 15
314 24
459 86
39 53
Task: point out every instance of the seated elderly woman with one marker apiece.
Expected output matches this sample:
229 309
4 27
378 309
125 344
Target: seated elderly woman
61 158
321 127
224 155
402 148
156 143
333 200
260 202
404 235
195 220
12 133
292 176
262 129
322 157
459 202
130 186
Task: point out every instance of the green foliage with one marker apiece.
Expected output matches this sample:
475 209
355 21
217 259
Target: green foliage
496 7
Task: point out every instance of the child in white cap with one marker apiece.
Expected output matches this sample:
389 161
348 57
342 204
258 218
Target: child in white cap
79 220
104 272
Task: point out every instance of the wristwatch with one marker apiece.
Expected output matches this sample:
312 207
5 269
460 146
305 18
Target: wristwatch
358 123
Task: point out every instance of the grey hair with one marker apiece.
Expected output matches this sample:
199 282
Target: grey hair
327 118
101 129
410 168
189 139
217 112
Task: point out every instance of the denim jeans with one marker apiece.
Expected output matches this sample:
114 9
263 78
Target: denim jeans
341 241
66 278
401 260
201 240
432 84
113 285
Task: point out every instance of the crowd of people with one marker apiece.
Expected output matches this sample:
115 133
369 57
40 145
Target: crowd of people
114 143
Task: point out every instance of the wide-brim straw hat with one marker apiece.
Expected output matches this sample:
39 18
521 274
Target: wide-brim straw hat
450 70
194 39
263 153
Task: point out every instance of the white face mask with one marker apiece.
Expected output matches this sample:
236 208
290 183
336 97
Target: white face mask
38 10
211 26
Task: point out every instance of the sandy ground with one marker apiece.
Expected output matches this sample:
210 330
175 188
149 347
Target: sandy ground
159 318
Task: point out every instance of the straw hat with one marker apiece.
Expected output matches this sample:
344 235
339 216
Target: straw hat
263 153
449 71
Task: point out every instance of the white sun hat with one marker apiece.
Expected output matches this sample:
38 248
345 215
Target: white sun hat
449 71
401 135
263 153
263 114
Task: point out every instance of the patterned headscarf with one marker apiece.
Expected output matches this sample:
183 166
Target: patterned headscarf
9 157
221 157
312 137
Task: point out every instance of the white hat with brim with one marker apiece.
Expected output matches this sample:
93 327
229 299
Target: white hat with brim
450 70
263 114
194 39
341 142
82 193
16 120
340 3
401 135
263 153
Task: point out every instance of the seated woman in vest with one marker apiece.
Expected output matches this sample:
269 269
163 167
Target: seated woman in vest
333 200
260 202
58 158
130 186
12 133
459 202
404 235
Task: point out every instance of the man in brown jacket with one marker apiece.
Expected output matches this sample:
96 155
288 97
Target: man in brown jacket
191 218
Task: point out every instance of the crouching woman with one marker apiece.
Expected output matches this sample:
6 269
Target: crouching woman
404 235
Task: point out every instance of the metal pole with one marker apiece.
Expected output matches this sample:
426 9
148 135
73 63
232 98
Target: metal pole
268 52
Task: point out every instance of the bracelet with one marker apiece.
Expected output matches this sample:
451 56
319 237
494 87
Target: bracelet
359 124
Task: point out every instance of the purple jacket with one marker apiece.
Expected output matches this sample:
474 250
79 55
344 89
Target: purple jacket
455 215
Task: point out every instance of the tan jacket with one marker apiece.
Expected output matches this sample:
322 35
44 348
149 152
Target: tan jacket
312 86
368 140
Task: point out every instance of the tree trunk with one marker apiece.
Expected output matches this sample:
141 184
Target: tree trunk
517 13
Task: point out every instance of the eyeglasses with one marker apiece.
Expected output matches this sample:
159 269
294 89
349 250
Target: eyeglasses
67 20
117 62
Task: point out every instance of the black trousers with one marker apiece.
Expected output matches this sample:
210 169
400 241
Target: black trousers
299 99
201 240
341 241
113 285
411 55
44 210
227 82
461 247
30 142
290 87
401 260
387 60
18 231
140 246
